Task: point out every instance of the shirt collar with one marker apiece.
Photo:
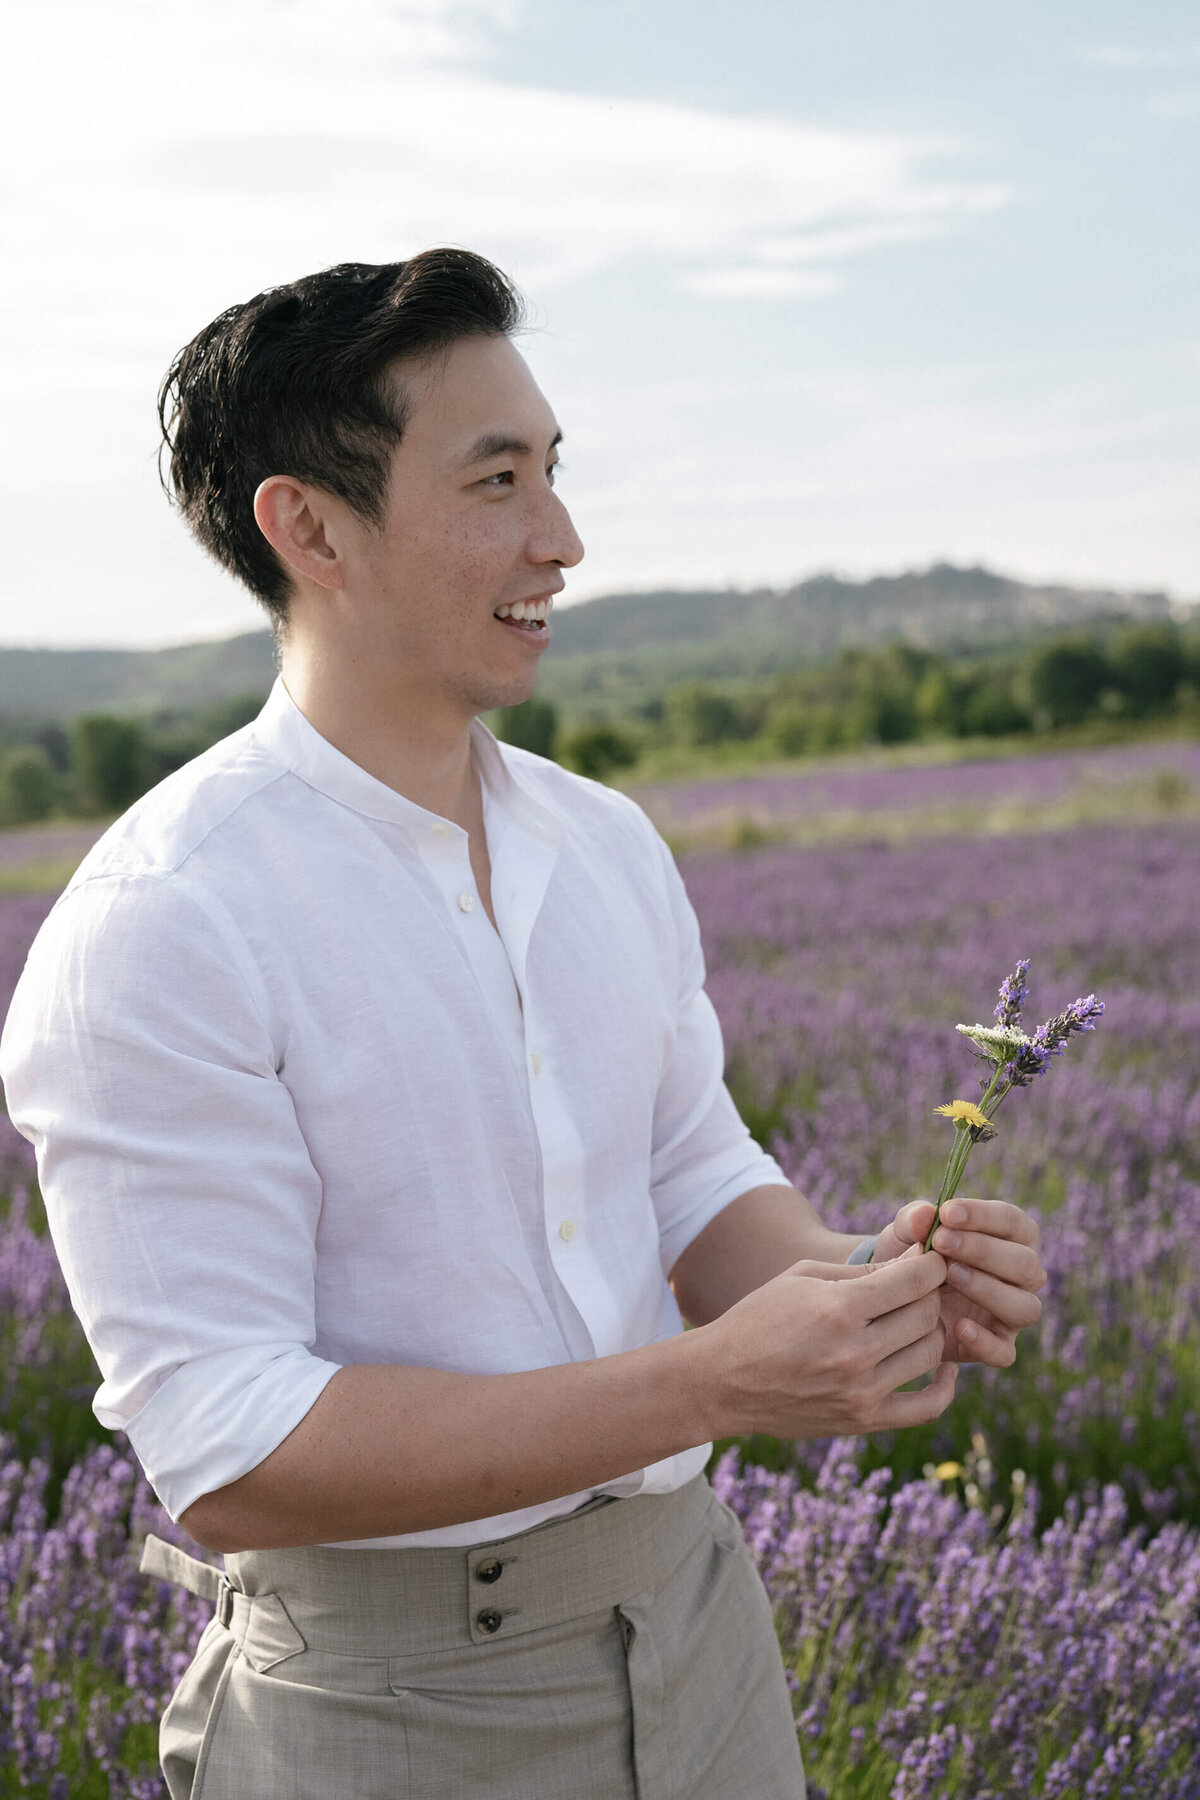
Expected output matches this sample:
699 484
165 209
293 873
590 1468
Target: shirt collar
284 732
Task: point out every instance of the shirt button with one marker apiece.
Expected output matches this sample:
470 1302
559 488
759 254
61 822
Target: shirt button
441 829
466 903
536 1062
489 1620
566 1230
488 1571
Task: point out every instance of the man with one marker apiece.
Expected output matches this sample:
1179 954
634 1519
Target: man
382 1128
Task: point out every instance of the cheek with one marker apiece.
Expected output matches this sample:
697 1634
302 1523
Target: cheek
477 558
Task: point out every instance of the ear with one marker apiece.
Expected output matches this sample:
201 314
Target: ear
293 517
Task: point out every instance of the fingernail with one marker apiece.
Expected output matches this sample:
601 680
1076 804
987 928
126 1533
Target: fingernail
967 1332
913 1250
955 1213
948 1240
959 1275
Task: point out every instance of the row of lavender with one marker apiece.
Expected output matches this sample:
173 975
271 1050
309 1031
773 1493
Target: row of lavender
839 975
859 789
946 1636
930 1656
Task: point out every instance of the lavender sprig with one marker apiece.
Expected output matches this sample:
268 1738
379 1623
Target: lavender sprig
1013 990
1013 1060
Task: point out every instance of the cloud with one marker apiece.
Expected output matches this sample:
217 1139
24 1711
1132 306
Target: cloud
1140 56
164 161
1178 106
753 282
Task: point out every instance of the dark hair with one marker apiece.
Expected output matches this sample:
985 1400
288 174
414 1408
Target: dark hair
292 383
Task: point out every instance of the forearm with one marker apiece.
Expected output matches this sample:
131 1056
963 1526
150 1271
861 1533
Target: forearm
388 1450
750 1241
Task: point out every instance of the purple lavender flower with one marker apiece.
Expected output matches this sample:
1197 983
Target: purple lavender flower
1013 990
1013 1060
941 1654
1049 1640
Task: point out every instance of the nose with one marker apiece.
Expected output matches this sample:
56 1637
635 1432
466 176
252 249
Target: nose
554 538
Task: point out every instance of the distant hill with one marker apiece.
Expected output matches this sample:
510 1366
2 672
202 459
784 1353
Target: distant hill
59 684
666 634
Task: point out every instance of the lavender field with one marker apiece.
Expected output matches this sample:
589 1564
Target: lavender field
1006 1604
830 800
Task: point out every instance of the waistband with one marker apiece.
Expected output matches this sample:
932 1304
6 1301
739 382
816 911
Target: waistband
391 1604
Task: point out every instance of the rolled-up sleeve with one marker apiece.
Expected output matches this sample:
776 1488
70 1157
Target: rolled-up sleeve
703 1156
183 1204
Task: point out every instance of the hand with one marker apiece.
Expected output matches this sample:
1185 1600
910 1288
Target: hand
993 1275
820 1351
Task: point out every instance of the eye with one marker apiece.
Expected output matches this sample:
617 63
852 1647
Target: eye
506 475
556 468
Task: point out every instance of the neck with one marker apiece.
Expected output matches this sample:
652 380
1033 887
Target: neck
420 749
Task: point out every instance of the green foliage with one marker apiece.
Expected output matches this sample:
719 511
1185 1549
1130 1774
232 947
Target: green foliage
57 745
168 750
28 785
885 714
700 715
789 729
994 711
1148 663
226 716
531 726
111 761
1067 678
936 703
597 750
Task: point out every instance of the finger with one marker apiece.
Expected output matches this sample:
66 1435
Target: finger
921 1406
819 1271
997 1218
910 1226
1010 1305
970 1341
907 1325
894 1284
915 1359
1017 1264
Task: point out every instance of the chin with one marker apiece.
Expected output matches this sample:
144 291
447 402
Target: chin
508 693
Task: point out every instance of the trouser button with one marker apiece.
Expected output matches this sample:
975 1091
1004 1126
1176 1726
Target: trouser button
489 1620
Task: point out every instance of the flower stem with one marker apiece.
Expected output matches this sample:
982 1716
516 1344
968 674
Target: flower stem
960 1150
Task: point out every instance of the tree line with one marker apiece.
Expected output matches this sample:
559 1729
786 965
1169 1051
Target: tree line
102 762
896 695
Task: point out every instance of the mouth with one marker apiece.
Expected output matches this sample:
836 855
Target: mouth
530 617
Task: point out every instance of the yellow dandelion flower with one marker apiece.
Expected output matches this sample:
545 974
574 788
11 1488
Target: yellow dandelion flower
966 1112
948 1471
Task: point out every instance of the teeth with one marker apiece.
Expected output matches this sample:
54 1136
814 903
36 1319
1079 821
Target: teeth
525 611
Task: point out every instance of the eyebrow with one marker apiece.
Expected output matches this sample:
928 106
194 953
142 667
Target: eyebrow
501 443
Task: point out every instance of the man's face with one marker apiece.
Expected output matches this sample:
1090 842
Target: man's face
472 524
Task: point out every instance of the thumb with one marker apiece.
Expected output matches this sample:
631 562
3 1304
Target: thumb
822 1271
910 1226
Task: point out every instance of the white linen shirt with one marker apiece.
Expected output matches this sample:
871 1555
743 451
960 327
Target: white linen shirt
297 1105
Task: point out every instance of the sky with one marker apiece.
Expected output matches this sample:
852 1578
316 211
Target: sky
847 287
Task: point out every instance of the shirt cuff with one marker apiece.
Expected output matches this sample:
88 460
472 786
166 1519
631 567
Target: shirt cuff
862 1253
217 1418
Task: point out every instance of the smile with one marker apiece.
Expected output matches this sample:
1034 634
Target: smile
531 614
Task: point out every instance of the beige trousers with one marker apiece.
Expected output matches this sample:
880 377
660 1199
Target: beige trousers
624 1652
